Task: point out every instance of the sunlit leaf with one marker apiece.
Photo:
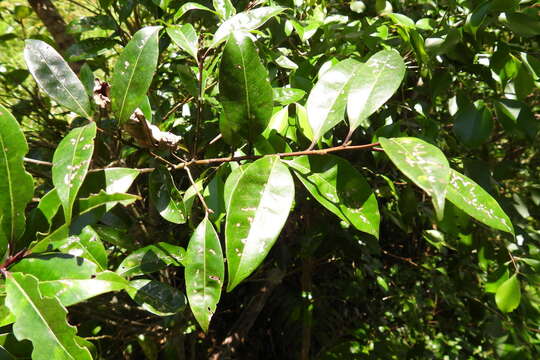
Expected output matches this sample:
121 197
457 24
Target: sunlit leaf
508 295
151 258
185 37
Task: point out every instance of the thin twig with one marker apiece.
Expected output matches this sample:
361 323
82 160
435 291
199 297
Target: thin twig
38 162
207 210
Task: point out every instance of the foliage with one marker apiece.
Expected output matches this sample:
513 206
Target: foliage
221 177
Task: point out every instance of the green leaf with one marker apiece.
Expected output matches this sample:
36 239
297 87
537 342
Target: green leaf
186 38
74 291
214 198
245 92
204 273
473 125
373 85
523 24
70 165
156 297
259 206
87 245
230 184
245 21
516 116
42 321
478 203
340 188
56 78
286 96
188 7
134 71
166 197
224 8
110 180
103 198
16 185
423 163
328 99
56 266
150 259
508 295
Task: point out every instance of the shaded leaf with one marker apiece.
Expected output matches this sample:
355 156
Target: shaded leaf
134 71
156 297
56 78
245 92
151 258
188 7
87 245
340 188
473 125
423 163
16 185
70 165
508 295
103 198
259 206
110 180
42 321
166 197
204 273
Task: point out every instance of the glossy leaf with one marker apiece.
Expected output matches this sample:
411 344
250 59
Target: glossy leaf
166 197
340 188
134 71
188 7
245 92
373 85
156 297
245 21
224 8
70 165
286 96
74 291
56 78
110 180
103 198
478 203
328 99
473 125
151 258
423 163
16 185
186 38
259 206
56 266
508 295
204 273
87 245
231 182
42 320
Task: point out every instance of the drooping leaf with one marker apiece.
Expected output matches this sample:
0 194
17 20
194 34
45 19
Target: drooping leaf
373 85
70 165
103 198
245 21
186 38
151 258
340 188
166 197
42 320
156 297
87 245
259 206
56 78
328 99
423 163
16 185
478 203
73 291
204 273
134 71
56 266
230 184
473 125
188 7
508 295
245 92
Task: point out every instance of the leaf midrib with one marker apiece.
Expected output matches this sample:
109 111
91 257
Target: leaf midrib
11 200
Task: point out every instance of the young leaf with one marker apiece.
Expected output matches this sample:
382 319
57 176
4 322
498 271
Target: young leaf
340 188
259 206
42 321
423 163
56 266
328 99
204 273
70 165
373 85
156 297
186 38
508 295
245 92
56 78
166 197
16 185
150 259
134 71
245 21
74 291
478 203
